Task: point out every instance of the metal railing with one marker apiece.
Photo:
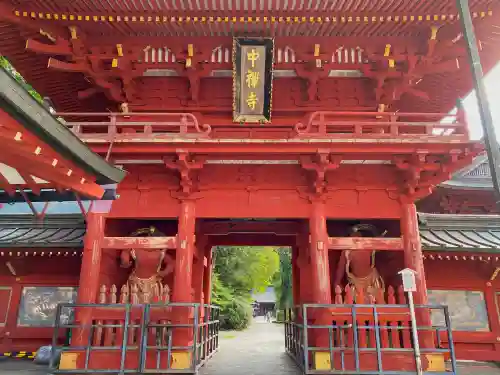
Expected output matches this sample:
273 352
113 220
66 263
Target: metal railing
365 339
129 127
138 339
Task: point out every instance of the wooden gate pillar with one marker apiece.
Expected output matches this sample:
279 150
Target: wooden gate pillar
207 275
183 281
88 289
184 255
413 258
320 279
318 250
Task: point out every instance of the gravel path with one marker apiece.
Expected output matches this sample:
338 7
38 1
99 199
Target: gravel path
259 350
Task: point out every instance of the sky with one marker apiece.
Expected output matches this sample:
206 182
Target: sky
492 84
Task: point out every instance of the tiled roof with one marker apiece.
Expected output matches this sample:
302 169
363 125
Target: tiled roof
478 233
24 231
268 296
475 176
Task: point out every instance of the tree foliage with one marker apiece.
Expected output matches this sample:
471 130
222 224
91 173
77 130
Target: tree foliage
283 279
246 268
237 272
7 66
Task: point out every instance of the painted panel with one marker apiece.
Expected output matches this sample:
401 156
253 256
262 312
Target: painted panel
39 304
467 309
5 297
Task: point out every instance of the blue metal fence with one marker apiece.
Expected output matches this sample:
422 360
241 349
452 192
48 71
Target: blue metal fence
138 339
367 339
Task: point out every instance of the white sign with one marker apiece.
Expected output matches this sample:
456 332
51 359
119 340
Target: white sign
409 283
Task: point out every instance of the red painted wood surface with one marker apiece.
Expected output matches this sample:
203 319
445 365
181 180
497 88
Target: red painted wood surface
31 156
121 243
471 275
31 271
358 243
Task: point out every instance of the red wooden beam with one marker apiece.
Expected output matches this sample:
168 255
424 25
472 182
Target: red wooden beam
61 48
139 243
67 67
171 145
254 239
29 164
249 227
363 243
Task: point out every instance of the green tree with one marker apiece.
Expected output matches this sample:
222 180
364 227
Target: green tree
246 268
238 271
283 279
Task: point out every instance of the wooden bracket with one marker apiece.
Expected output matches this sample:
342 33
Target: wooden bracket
319 164
186 164
312 75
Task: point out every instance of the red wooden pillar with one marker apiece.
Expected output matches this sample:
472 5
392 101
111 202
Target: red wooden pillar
320 282
414 259
88 289
207 276
320 269
184 255
183 280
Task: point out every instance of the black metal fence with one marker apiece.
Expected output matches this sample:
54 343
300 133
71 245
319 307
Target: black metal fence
367 339
127 338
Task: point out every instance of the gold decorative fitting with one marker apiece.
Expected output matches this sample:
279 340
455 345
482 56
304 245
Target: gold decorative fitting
387 50
251 19
119 50
73 32
190 50
50 37
114 63
316 50
434 31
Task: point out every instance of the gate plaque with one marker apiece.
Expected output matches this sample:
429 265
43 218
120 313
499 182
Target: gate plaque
252 79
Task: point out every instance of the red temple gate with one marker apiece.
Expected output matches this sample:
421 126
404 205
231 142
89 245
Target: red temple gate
207 166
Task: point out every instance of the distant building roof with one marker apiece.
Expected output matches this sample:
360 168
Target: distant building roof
268 296
476 176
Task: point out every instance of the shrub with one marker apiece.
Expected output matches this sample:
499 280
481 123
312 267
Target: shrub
236 315
280 316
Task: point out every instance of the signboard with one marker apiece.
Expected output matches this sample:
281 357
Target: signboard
38 305
252 79
409 283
